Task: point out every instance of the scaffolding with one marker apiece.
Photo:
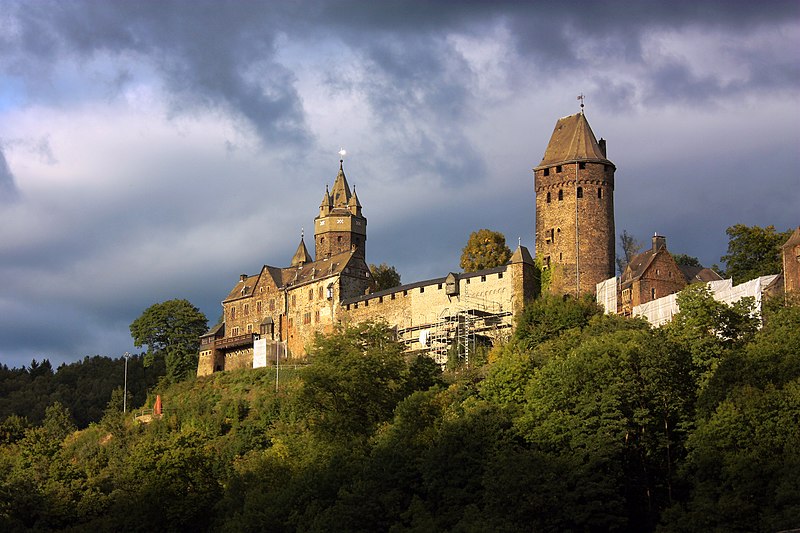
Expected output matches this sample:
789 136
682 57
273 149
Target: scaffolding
458 329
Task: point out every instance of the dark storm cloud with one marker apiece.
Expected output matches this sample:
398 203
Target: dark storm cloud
208 55
414 82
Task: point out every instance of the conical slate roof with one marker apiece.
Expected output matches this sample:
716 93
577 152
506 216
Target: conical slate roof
301 256
572 140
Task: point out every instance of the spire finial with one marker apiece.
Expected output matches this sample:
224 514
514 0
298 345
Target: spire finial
302 233
581 97
519 241
342 153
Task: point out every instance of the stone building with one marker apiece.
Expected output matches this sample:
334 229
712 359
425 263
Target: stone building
277 312
574 185
653 274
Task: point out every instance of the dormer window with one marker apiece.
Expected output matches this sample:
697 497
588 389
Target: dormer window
558 169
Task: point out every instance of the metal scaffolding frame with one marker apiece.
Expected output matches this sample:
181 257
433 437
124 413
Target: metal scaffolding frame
465 324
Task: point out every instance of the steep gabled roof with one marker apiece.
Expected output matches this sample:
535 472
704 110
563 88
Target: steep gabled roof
695 274
572 140
244 288
332 266
638 266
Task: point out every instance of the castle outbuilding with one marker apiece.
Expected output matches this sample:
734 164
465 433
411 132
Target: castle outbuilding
574 186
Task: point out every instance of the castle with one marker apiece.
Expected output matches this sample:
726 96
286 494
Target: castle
275 313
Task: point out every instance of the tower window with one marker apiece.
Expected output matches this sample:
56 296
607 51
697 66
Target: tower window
653 293
582 166
552 235
558 169
580 192
310 294
600 194
548 197
560 194
560 256
546 172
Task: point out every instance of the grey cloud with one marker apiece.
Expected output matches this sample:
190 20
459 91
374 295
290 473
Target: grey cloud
8 187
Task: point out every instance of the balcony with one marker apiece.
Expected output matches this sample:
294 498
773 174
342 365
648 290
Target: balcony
234 342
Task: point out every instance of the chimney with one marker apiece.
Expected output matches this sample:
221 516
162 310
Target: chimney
243 277
602 144
659 242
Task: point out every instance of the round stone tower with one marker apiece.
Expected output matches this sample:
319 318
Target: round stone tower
574 187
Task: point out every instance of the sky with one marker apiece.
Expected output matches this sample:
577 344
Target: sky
157 150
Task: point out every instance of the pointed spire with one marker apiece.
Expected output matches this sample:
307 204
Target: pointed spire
340 195
301 256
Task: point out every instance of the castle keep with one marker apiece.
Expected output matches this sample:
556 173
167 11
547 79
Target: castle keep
574 186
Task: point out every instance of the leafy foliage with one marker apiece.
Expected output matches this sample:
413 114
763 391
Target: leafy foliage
484 249
753 251
686 260
581 422
171 331
385 276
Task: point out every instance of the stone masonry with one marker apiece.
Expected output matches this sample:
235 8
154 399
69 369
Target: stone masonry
574 185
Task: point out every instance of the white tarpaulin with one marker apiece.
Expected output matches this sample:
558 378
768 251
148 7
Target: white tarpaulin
607 294
661 310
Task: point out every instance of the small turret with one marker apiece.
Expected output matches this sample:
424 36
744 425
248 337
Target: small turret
354 205
326 205
301 256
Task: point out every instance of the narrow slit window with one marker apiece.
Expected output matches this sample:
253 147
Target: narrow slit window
560 194
580 192
600 194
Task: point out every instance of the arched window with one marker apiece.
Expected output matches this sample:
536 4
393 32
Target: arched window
560 194
580 192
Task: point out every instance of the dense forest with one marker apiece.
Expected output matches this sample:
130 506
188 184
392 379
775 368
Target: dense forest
580 422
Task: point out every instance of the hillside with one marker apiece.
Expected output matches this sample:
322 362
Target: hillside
582 421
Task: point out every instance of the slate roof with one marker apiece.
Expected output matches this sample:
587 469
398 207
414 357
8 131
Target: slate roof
340 194
521 255
301 255
637 266
694 274
572 140
294 275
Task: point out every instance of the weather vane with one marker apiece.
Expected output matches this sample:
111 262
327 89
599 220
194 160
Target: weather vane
581 98
342 152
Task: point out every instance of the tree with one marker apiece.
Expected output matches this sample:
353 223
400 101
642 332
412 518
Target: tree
385 276
171 331
753 252
630 247
485 249
686 260
354 382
